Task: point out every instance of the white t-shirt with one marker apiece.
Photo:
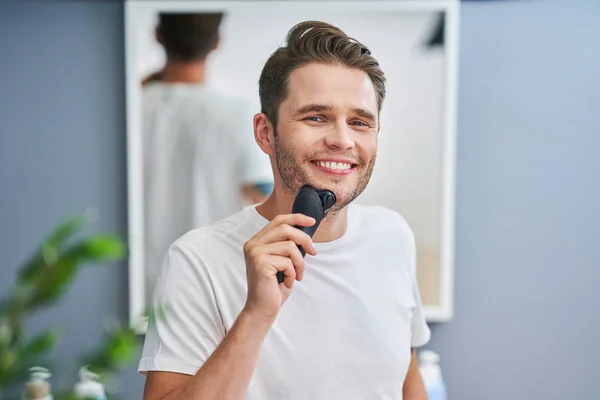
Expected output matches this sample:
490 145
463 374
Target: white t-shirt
199 149
346 331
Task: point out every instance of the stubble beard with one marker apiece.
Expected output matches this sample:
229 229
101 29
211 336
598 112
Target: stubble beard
294 176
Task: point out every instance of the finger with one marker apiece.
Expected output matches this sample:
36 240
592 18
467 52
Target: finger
285 265
289 250
292 219
284 219
288 278
287 232
280 263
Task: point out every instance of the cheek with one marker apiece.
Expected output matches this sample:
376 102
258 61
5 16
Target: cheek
367 146
305 143
292 148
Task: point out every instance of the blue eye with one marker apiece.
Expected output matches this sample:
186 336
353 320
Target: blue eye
313 119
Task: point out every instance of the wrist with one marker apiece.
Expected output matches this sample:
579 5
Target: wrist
259 322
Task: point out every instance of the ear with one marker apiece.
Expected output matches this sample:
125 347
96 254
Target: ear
264 134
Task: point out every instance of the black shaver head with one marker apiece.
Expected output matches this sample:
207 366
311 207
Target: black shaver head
313 203
328 200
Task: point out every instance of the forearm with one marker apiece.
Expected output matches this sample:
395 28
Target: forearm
227 372
414 389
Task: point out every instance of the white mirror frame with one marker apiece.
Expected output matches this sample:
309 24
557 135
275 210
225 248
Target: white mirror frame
439 313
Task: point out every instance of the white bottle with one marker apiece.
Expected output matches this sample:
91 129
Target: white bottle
38 387
89 386
432 375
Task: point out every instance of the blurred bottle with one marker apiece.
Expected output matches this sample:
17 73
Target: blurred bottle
38 387
432 375
89 386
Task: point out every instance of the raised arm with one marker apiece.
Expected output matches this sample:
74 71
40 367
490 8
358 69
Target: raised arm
226 373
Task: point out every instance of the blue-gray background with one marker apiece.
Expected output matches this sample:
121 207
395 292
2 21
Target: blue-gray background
527 260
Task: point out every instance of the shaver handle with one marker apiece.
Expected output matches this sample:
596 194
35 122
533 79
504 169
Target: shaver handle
310 231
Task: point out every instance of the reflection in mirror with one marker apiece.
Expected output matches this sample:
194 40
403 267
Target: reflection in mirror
200 161
192 71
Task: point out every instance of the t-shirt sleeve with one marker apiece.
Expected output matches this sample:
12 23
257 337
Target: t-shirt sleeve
420 332
255 166
185 327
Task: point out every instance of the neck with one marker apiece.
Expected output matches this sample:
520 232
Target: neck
280 202
184 72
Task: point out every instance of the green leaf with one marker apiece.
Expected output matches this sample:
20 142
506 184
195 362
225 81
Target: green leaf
118 348
42 280
33 268
6 333
41 343
8 359
54 283
48 252
65 230
102 247
58 277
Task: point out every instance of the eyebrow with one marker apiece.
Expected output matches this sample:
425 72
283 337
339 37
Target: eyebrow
364 113
323 107
312 108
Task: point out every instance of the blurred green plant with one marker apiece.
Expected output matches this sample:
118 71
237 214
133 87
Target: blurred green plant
41 282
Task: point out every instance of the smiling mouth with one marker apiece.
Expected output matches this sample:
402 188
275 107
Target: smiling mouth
335 166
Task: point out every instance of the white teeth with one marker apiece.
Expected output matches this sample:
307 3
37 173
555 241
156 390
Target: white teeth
333 165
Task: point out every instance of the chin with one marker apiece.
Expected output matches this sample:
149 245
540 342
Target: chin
344 184
343 188
344 194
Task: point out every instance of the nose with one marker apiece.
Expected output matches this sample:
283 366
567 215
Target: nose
340 137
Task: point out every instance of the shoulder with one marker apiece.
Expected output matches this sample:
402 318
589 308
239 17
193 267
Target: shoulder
223 108
235 115
383 226
151 93
230 115
228 101
196 108
219 104
219 100
387 233
382 219
210 244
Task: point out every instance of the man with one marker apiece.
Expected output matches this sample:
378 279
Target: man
200 161
345 321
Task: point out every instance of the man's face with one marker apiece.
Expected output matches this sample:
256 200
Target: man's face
327 131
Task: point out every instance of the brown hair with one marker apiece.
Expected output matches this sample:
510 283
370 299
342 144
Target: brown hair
189 36
314 42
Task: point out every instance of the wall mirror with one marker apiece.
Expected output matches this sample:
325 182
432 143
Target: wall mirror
416 43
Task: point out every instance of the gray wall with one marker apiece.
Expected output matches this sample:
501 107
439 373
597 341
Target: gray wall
526 323
528 259
62 149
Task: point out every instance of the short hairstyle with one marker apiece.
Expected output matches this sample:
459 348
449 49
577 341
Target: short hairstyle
189 36
314 42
